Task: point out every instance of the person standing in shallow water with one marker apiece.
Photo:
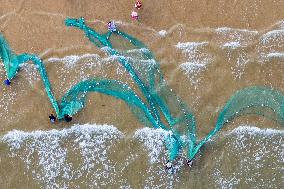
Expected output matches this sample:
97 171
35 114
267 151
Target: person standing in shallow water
52 118
169 164
134 13
189 163
138 4
7 82
67 118
111 26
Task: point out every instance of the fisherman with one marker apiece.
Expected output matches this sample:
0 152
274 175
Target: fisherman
138 4
111 26
134 15
168 165
189 163
52 118
7 82
67 118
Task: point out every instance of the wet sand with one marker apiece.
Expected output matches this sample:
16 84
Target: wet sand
235 43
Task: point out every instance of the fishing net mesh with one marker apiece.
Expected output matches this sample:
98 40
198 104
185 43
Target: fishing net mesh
158 106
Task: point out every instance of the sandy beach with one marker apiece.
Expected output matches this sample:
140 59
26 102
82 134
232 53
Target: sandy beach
207 51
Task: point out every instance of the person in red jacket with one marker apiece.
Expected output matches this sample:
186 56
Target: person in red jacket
138 4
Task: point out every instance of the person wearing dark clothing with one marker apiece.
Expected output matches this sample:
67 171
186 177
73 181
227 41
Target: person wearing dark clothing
189 162
7 82
52 118
168 165
67 118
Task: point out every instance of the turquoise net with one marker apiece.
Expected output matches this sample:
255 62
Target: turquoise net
158 106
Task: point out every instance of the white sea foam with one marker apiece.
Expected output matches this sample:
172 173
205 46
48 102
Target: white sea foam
153 140
194 53
162 33
188 46
251 130
232 38
281 24
197 58
270 45
235 42
226 29
71 60
48 161
16 138
274 36
253 150
276 55
232 44
84 67
191 68
46 156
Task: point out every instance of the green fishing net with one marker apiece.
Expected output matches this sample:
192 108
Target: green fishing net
158 106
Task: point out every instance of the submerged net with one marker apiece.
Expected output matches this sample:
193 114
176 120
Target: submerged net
12 63
158 106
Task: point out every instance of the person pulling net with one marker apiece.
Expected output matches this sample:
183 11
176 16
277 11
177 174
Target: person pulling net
138 4
111 26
